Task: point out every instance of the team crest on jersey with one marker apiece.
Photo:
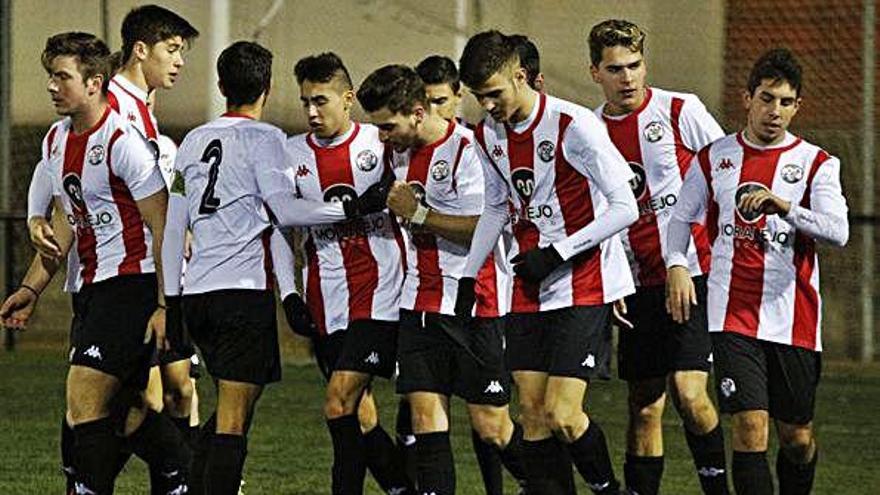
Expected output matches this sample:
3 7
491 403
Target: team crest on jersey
366 160
440 170
792 173
638 183
524 183
95 154
545 151
654 131
743 189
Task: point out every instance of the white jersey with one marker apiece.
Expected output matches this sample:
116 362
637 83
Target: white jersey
447 176
659 139
223 171
130 102
167 155
99 175
764 281
354 269
557 167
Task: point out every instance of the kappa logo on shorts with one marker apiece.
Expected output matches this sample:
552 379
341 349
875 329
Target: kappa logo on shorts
590 362
494 387
93 352
373 358
728 387
710 472
596 487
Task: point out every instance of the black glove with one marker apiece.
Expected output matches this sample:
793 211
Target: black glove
174 321
536 264
465 298
373 200
298 317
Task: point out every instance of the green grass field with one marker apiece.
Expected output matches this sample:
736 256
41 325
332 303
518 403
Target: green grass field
290 450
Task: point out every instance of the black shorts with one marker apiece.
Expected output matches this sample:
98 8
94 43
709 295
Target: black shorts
752 374
657 345
181 348
109 322
437 355
572 342
237 334
366 346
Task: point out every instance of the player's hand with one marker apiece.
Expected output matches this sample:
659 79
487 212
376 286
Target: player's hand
373 200
156 329
465 298
17 309
402 200
680 293
298 316
618 309
43 237
764 201
534 265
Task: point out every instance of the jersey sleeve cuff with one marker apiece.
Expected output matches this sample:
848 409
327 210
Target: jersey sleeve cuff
676 259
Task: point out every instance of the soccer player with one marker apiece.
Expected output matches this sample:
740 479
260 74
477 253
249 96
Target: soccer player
442 85
439 195
353 271
569 186
530 60
658 132
767 198
112 210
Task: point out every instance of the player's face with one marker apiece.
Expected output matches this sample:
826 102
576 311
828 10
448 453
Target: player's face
443 100
327 106
501 94
396 129
621 73
163 62
770 110
66 86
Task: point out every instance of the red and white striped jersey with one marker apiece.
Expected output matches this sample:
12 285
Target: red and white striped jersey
354 269
764 281
659 139
222 171
130 102
447 176
556 167
99 175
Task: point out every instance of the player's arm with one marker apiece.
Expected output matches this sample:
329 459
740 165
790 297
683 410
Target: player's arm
826 218
174 237
284 262
39 212
690 208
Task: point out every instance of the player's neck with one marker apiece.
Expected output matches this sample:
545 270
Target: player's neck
613 110
133 73
88 116
251 110
528 100
752 138
433 130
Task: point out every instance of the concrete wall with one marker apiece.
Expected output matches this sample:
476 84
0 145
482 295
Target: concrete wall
684 47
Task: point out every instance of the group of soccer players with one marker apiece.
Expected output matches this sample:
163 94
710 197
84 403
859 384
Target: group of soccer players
465 260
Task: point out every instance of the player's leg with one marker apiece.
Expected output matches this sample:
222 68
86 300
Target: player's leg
797 457
383 460
228 446
340 410
178 392
643 468
434 462
153 393
406 440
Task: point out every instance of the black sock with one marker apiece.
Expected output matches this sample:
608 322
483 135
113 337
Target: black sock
708 453
751 473
383 462
489 461
161 445
406 440
225 464
201 447
67 449
95 450
511 456
546 462
643 473
795 479
349 457
591 458
436 469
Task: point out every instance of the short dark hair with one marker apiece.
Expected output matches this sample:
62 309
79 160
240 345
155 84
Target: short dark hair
92 54
245 71
615 32
485 54
322 68
152 24
529 58
437 69
778 64
397 87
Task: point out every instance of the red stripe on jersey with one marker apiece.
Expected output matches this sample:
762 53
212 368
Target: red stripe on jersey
429 295
50 140
266 238
576 206
747 270
806 299
461 146
149 128
521 156
133 237
644 234
314 297
361 269
113 101
711 204
486 290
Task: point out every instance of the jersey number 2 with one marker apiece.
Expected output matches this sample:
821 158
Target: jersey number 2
213 155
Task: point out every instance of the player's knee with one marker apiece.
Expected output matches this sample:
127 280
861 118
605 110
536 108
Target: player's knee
491 426
750 430
178 396
563 423
426 420
797 442
692 403
367 416
646 416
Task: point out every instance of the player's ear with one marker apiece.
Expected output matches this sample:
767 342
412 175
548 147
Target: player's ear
348 99
419 113
747 99
220 87
594 73
140 50
539 82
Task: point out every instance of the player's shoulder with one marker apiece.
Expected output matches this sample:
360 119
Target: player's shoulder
725 145
298 143
665 98
461 132
367 133
579 114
